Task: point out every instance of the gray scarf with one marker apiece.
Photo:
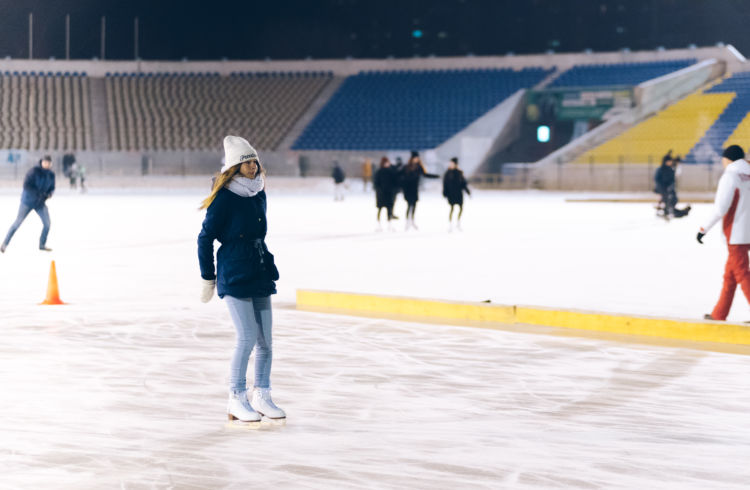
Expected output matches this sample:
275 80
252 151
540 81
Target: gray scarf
244 187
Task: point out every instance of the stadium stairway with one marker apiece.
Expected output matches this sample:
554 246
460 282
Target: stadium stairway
100 127
312 111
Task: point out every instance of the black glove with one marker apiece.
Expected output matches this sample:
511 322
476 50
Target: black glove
700 236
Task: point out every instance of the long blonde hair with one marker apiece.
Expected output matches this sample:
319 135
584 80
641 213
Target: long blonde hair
219 181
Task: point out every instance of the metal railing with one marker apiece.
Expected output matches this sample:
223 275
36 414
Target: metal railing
617 177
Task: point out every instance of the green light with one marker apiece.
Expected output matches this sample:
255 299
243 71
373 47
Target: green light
542 134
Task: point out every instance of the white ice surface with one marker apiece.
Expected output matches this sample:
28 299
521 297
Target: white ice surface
125 386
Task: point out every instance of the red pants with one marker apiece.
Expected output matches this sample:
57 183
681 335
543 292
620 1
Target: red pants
737 271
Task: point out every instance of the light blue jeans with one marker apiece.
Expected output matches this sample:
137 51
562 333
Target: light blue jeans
252 319
23 211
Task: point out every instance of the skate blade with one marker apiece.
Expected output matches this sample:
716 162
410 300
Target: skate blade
241 425
274 422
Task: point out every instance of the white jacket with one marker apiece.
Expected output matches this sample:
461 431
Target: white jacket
732 203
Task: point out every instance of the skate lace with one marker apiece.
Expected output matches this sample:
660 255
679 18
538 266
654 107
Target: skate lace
265 395
242 398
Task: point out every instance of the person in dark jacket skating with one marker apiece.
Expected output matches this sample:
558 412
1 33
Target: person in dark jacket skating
664 181
245 274
410 178
665 184
38 186
338 182
385 183
454 186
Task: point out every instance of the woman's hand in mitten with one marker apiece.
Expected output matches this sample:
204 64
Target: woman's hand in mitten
208 289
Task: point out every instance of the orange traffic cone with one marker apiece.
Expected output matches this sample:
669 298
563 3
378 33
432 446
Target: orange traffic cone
53 294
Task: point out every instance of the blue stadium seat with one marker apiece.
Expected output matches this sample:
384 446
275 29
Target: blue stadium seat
402 110
617 74
734 113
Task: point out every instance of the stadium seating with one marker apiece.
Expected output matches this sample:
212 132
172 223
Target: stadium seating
44 110
732 126
402 110
617 74
193 111
679 127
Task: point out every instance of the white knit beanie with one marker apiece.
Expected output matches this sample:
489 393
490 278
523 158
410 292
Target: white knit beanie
237 150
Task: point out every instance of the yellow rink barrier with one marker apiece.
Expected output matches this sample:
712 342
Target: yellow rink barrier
496 316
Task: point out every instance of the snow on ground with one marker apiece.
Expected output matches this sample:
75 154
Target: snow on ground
125 385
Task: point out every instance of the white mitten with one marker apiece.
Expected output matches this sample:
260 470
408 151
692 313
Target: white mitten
208 289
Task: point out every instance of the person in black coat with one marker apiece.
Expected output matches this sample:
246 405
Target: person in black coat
410 179
385 183
338 181
38 186
245 274
664 184
454 186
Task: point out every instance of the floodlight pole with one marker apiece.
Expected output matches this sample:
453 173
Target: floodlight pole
67 36
104 38
31 35
135 38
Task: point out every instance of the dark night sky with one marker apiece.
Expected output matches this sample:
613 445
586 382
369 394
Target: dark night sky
294 29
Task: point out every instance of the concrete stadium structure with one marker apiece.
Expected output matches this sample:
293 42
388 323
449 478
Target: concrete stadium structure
145 118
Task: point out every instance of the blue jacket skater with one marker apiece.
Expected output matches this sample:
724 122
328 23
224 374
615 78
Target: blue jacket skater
664 178
38 186
244 266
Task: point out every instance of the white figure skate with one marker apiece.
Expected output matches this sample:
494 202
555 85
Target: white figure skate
262 403
240 412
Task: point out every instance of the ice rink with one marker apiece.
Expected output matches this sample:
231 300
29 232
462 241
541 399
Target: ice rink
125 386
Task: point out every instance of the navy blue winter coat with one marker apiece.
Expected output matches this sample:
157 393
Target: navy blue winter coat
338 174
385 183
244 266
663 179
38 186
410 177
454 185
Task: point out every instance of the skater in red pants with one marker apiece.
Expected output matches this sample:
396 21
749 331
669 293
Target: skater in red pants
732 206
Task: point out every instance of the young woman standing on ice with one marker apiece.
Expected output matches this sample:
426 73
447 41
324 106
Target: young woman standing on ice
454 185
245 273
410 178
